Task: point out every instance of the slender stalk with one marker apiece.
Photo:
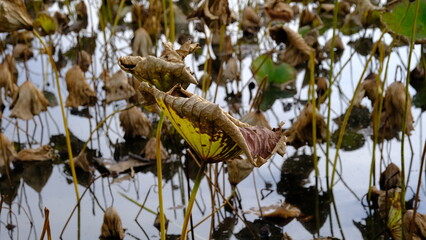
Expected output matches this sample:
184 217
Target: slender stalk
404 119
330 84
117 17
314 110
64 118
184 234
172 22
348 112
160 177
419 183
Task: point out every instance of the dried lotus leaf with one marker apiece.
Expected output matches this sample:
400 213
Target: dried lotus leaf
394 105
417 227
256 118
14 16
79 91
238 169
7 79
7 151
300 132
214 134
81 161
117 87
84 60
22 52
297 50
42 153
251 21
163 72
28 102
150 150
215 13
279 10
134 123
390 178
112 227
230 71
142 43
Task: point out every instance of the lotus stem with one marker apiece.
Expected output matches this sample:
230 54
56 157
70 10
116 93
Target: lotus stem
184 234
404 118
314 109
330 85
64 118
416 197
348 112
160 177
172 22
117 17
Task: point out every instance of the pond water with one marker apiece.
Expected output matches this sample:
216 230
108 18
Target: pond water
27 188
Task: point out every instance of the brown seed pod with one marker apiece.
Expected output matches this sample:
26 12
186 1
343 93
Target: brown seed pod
28 101
80 93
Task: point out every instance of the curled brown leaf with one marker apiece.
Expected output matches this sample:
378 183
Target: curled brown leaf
42 153
117 87
112 227
134 123
279 10
14 16
28 102
7 151
80 93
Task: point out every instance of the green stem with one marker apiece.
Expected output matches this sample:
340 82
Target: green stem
172 22
64 118
160 177
314 110
191 202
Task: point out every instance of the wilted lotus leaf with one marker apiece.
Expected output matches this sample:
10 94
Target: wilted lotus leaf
157 222
371 88
81 161
215 13
364 15
297 50
84 60
36 175
256 118
150 150
214 134
416 228
163 72
112 227
394 106
282 213
14 16
82 18
22 52
79 91
42 153
251 21
62 20
134 123
238 169
19 37
7 151
29 101
117 87
390 178
300 132
142 43
7 78
230 70
321 89
115 168
279 10
308 18
46 22
387 200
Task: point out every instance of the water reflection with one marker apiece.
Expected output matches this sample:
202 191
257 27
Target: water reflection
313 203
